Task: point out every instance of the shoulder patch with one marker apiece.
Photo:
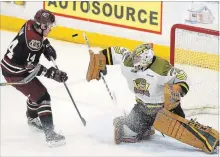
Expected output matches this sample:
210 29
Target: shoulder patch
33 39
34 44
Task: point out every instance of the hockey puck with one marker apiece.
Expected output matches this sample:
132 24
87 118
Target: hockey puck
74 35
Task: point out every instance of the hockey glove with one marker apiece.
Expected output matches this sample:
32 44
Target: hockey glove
49 51
56 74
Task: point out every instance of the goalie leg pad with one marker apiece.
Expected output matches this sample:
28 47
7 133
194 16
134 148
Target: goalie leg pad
97 63
189 132
140 118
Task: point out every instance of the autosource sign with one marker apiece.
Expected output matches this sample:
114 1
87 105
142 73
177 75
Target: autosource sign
142 16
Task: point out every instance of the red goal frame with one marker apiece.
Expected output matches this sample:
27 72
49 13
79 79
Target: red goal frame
189 28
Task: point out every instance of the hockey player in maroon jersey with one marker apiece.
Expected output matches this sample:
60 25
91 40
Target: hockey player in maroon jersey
22 59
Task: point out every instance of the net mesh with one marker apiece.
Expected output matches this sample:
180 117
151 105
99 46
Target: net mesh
197 53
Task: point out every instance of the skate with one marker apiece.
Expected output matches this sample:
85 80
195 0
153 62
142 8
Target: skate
54 139
35 123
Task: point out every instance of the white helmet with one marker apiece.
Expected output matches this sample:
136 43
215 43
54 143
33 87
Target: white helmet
142 56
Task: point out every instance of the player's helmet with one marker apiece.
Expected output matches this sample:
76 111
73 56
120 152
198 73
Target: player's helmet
44 19
142 56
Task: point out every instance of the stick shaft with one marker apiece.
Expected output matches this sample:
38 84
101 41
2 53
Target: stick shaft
70 95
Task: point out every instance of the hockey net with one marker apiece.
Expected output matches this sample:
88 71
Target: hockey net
196 51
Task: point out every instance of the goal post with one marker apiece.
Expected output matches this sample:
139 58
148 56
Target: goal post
196 51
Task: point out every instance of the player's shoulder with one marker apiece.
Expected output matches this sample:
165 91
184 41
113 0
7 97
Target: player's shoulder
160 66
32 37
128 62
161 61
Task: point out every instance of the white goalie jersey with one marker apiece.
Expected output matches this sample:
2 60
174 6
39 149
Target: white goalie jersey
147 85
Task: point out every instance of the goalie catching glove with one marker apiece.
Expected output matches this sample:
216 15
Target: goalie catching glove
97 65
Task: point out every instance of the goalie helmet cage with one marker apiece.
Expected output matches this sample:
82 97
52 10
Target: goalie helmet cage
196 51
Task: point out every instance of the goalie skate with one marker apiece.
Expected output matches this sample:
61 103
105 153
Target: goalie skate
119 133
54 139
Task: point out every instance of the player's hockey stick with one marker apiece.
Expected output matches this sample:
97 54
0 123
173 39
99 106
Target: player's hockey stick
111 94
68 91
25 80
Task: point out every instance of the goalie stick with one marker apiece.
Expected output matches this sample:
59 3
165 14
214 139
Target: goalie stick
111 94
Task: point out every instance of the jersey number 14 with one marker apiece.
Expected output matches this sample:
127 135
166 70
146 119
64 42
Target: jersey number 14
11 48
11 51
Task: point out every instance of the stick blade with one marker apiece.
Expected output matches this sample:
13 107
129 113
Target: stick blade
83 121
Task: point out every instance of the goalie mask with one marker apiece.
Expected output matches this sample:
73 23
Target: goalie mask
142 56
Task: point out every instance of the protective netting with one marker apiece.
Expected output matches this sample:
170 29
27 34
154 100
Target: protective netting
197 53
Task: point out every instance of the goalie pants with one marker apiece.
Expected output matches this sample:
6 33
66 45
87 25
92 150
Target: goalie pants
141 117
